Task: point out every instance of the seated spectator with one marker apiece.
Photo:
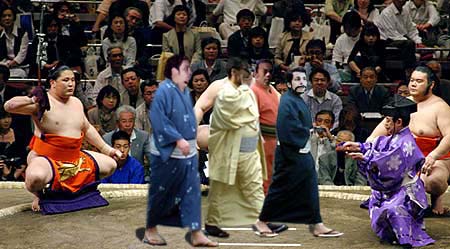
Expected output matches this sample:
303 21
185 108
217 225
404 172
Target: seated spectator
238 42
128 170
402 89
280 81
117 36
293 40
424 14
315 52
111 74
366 10
106 6
368 96
350 119
4 77
319 98
69 24
103 116
322 141
131 81
335 168
369 51
397 28
345 42
230 8
162 20
182 40
258 48
198 83
60 49
140 140
215 67
148 91
13 44
335 10
12 155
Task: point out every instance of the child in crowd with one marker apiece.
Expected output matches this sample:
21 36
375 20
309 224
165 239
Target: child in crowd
392 165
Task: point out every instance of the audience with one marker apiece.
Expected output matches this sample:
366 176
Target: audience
350 119
351 23
128 170
319 98
368 96
117 36
336 168
402 89
258 48
181 40
322 141
148 91
366 10
103 116
238 42
131 81
211 52
69 24
111 74
335 10
424 14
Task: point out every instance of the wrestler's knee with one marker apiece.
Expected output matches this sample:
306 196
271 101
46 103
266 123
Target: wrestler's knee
106 164
38 174
435 185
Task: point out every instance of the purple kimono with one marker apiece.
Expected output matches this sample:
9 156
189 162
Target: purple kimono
398 199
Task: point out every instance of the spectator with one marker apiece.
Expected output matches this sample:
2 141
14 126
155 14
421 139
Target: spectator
315 50
443 90
335 10
350 119
230 9
12 155
162 20
111 74
280 82
345 42
402 89
322 141
369 51
131 81
424 14
293 40
238 42
366 10
258 48
338 169
319 98
148 90
181 40
4 77
397 28
103 116
69 24
13 44
215 67
368 96
129 170
117 36
140 140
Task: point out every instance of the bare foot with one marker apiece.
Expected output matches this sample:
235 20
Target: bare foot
152 237
261 229
438 206
35 205
320 230
198 239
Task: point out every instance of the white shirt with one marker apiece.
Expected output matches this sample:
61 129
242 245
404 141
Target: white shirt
161 9
425 13
106 77
343 48
395 25
129 49
10 41
230 8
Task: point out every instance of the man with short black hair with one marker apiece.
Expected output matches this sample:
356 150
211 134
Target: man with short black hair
131 81
238 42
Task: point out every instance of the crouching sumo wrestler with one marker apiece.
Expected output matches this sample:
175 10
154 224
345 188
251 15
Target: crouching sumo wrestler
62 177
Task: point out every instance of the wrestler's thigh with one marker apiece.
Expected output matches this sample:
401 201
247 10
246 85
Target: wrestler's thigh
440 172
39 171
106 164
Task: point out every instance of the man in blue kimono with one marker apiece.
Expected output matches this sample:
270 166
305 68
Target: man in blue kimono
174 195
392 166
293 194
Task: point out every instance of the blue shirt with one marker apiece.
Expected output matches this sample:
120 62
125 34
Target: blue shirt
132 172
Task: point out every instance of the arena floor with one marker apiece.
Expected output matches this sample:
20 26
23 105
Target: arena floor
121 225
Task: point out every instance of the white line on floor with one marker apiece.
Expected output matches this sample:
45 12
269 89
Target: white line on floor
260 244
247 229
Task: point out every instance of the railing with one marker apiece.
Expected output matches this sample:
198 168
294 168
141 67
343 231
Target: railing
29 80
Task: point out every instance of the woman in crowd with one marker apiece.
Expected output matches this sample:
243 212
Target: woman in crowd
215 67
181 40
103 116
293 40
117 35
366 10
13 44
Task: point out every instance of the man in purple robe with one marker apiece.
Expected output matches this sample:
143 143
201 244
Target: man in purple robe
392 166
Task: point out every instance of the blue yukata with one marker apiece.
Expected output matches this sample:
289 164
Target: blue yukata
174 196
398 200
132 172
293 195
